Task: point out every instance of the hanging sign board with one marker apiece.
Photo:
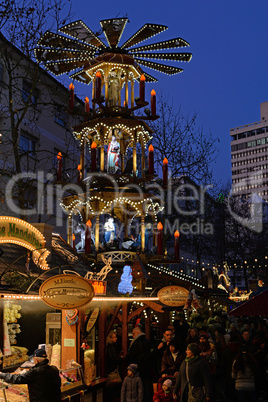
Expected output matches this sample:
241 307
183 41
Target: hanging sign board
17 231
92 319
66 292
173 296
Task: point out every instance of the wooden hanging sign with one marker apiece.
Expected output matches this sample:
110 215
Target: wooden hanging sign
173 296
66 292
92 319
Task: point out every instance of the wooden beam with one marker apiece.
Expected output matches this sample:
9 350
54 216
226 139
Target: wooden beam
113 318
102 341
136 312
154 306
124 328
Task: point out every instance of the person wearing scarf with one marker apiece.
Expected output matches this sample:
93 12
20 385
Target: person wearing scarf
196 370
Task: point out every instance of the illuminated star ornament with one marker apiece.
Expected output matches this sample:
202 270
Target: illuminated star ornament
76 49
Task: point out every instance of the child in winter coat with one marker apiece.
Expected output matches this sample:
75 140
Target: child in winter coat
165 394
132 389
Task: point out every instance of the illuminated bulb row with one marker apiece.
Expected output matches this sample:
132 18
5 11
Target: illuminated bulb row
125 20
160 28
48 35
175 274
166 56
168 44
95 68
19 297
87 131
77 77
65 30
159 67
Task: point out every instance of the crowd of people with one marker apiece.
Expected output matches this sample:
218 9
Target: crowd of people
222 359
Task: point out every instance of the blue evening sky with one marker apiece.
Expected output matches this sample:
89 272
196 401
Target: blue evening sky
226 80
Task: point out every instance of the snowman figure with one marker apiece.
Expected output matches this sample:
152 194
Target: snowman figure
125 285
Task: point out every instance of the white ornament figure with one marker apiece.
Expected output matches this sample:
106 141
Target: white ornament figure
80 245
113 155
109 228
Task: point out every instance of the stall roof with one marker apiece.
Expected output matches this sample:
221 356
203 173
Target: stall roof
256 306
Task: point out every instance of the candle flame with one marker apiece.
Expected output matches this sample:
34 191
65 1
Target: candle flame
159 226
153 93
73 237
89 224
165 161
98 74
79 167
59 156
71 86
93 145
151 148
142 77
177 233
86 99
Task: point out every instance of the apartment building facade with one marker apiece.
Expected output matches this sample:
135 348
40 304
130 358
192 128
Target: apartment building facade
35 126
249 157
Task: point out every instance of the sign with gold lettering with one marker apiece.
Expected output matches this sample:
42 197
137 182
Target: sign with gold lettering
174 296
66 291
17 231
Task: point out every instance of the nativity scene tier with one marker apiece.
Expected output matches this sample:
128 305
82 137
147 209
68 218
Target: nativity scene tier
114 135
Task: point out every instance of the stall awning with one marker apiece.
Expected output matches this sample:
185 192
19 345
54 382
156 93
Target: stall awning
253 307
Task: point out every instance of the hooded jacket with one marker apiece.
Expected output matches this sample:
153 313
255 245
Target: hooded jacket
132 389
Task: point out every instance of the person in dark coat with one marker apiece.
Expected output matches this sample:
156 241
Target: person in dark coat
198 374
113 359
159 351
171 360
139 353
132 389
43 380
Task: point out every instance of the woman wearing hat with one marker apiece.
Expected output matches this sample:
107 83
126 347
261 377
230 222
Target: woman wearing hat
194 380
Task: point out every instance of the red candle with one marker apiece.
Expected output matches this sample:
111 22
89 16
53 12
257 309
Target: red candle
159 238
177 245
93 157
73 241
142 88
165 172
79 168
98 85
151 159
59 166
153 103
87 108
88 237
71 96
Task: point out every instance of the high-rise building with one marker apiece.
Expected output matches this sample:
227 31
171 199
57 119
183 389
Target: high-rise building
249 154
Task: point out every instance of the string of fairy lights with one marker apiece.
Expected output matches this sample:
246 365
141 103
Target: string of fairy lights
137 205
178 275
97 127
